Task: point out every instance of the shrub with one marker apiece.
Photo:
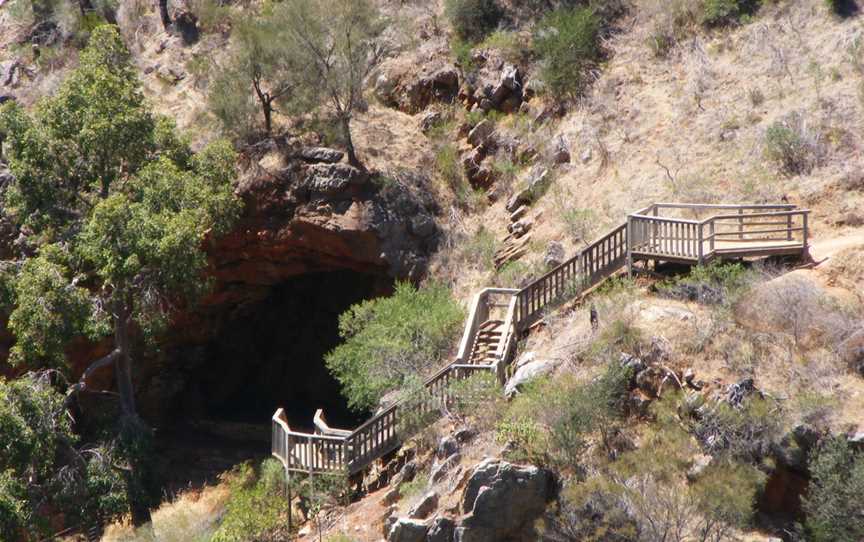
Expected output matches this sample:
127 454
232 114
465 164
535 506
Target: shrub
389 340
725 12
256 505
714 284
747 431
567 44
791 144
472 20
554 421
650 483
833 502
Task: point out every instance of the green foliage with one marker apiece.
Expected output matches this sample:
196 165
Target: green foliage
714 284
472 20
14 516
832 505
257 505
480 248
724 12
213 15
650 482
51 310
789 144
388 340
513 46
746 431
337 48
122 192
38 453
725 496
263 73
554 420
567 43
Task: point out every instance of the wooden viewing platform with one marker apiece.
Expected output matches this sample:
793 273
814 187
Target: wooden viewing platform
691 234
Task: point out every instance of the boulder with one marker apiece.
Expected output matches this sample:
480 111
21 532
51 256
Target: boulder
555 255
441 530
520 228
429 121
320 154
439 470
501 499
447 446
561 154
391 496
424 508
408 530
331 179
518 213
526 373
481 133
423 226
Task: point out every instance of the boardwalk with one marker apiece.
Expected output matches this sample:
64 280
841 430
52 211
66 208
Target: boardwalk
662 232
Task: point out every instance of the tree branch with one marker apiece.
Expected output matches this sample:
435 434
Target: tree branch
81 385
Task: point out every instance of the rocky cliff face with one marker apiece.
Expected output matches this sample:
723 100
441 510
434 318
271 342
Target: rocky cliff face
316 236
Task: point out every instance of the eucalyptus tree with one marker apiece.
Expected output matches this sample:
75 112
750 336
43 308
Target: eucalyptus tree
264 67
116 210
336 41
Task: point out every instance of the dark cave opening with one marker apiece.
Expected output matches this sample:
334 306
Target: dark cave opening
270 353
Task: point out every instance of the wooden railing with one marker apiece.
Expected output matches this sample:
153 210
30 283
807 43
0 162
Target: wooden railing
745 230
335 450
729 230
592 265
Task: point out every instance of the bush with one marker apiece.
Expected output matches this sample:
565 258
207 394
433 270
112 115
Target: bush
472 20
747 431
389 340
256 506
724 12
714 284
554 420
792 146
833 502
567 44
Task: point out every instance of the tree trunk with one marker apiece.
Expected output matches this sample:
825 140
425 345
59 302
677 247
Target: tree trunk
345 122
123 367
163 13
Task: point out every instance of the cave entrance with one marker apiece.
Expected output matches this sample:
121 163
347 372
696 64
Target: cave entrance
270 353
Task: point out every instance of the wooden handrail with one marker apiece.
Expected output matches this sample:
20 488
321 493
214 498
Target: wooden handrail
662 236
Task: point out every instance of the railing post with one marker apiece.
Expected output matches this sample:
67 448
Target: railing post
711 231
629 246
701 241
741 224
804 231
789 227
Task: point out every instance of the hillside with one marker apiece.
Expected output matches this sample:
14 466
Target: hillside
494 140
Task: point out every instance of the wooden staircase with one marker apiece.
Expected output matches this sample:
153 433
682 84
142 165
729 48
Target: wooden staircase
729 231
487 342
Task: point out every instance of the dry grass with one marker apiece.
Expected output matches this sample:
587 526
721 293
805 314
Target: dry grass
192 517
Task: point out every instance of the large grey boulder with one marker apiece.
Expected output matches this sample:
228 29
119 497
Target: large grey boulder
330 179
528 372
320 154
441 530
501 500
408 530
481 133
424 508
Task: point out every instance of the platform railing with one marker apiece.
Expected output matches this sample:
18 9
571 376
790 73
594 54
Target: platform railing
730 229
